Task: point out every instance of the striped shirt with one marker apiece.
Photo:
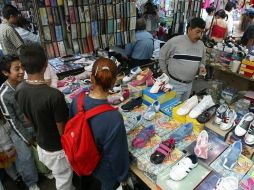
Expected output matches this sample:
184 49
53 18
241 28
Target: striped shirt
12 112
10 40
181 58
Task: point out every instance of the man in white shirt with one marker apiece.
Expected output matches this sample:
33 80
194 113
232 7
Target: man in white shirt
229 12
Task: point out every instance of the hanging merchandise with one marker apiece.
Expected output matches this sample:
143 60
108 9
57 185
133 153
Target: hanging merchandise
71 27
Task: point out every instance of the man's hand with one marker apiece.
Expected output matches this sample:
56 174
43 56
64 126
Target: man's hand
202 71
11 152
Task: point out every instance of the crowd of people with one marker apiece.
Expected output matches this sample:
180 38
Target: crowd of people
33 110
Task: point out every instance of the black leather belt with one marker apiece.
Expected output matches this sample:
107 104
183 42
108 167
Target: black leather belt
182 81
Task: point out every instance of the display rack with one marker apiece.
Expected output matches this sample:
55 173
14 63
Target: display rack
72 27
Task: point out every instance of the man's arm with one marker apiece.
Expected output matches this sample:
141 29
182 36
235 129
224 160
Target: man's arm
15 38
128 49
165 53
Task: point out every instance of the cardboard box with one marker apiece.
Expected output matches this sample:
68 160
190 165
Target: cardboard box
216 147
181 119
209 183
248 62
240 169
162 97
194 178
198 127
167 107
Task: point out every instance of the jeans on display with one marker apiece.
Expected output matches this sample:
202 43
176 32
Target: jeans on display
183 90
61 170
25 164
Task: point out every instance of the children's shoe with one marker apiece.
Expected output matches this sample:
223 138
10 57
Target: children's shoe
204 104
243 125
150 82
187 106
201 148
116 89
115 99
142 77
183 167
72 87
228 120
159 83
207 114
134 72
183 132
227 183
142 138
34 187
89 68
65 81
163 151
133 103
132 122
220 113
249 137
152 110
230 160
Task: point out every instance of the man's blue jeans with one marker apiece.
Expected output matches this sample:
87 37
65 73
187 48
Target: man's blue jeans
183 90
24 160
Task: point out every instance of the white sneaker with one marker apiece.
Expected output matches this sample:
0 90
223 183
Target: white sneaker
227 183
249 137
228 120
187 106
203 105
183 167
89 68
34 187
160 81
243 125
220 113
134 72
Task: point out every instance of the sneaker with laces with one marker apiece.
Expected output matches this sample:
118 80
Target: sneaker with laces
203 105
220 113
159 83
187 106
134 72
249 137
183 167
227 183
152 110
228 120
243 125
34 187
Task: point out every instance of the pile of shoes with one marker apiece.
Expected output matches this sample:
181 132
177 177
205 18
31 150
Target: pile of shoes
118 94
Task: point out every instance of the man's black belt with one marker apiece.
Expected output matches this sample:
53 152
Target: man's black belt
182 81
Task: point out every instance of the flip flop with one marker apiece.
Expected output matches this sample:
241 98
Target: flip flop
163 151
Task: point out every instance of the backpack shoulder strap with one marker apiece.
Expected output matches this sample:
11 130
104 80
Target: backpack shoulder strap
81 102
99 109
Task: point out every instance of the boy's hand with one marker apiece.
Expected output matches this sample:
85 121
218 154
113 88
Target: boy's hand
11 152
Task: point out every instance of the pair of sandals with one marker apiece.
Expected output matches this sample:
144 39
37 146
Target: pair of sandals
163 151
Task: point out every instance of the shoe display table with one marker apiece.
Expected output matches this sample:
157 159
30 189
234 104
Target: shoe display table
215 129
248 151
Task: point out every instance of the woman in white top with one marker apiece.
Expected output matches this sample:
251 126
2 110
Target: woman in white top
241 26
29 37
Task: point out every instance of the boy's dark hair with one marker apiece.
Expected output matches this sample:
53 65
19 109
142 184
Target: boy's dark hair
140 24
5 62
196 23
32 57
209 10
22 22
9 10
229 6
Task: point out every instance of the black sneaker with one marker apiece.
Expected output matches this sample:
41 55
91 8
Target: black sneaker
208 114
249 137
133 103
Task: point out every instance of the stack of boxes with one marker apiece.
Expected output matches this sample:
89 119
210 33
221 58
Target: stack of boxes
247 68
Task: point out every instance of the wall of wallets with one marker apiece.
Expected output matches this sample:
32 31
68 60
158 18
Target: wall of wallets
81 26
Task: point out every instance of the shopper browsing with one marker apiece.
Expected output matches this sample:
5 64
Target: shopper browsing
46 108
110 135
10 40
20 136
219 30
182 56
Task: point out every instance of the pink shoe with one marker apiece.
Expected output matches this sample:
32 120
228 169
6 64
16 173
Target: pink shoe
201 148
65 81
142 77
150 82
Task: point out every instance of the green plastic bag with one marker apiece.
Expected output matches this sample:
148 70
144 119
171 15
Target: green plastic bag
42 169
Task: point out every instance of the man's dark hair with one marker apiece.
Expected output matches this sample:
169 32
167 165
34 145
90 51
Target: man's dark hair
23 22
5 62
229 6
221 13
196 23
209 10
140 24
32 57
9 10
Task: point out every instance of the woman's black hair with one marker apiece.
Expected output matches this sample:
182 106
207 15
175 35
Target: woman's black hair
221 13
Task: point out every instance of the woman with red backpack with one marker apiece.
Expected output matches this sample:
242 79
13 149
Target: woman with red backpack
107 128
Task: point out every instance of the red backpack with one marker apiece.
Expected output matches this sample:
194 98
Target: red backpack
78 141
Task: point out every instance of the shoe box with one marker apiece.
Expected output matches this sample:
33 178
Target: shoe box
250 96
242 166
198 127
247 181
209 182
248 151
247 68
176 117
216 147
162 97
